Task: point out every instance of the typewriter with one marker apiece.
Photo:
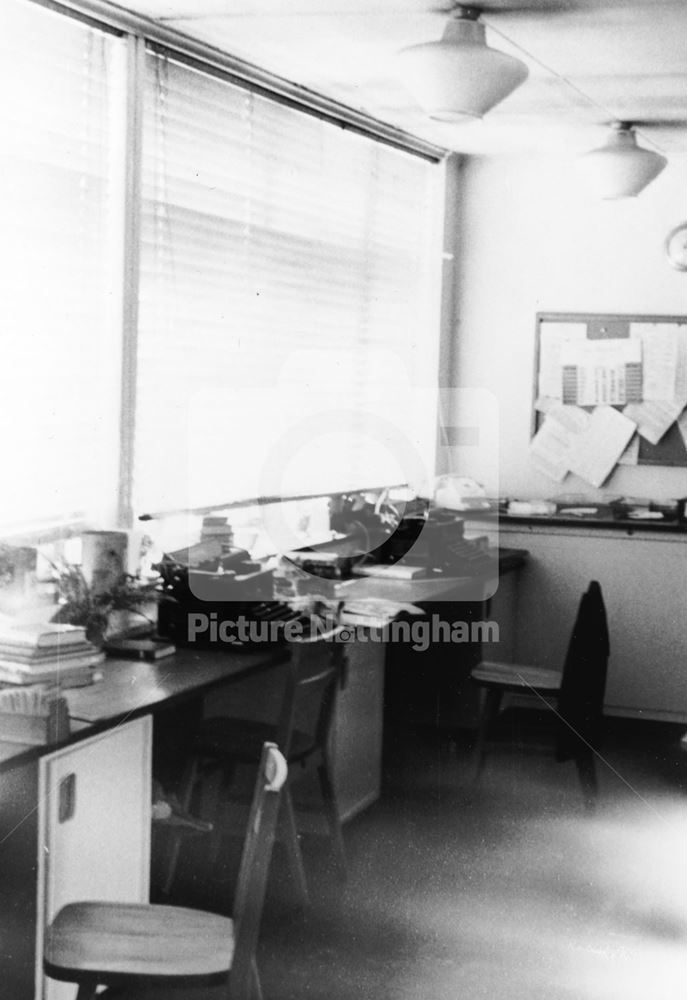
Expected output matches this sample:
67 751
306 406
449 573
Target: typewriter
228 588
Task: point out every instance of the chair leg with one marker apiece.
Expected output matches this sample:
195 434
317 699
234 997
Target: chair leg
188 783
87 991
331 808
255 982
490 709
586 771
293 847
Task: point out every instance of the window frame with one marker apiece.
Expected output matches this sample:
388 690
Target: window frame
143 35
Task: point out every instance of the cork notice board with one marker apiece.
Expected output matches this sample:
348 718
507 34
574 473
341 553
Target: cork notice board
641 365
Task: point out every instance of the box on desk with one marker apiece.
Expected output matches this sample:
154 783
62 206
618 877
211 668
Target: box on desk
49 723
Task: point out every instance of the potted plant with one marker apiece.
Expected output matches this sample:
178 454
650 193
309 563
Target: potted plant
79 604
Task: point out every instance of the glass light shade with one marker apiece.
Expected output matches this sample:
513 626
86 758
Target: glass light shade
460 76
620 168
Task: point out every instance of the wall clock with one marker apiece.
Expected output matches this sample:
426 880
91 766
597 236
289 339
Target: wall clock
676 247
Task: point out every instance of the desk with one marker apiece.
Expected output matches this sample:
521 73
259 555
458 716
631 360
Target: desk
430 688
103 849
109 751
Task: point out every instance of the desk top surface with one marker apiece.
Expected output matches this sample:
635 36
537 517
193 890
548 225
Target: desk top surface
135 687
130 688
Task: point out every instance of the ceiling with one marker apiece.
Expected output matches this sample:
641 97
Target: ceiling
591 62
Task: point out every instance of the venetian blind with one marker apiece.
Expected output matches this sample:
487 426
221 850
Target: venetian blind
288 334
60 120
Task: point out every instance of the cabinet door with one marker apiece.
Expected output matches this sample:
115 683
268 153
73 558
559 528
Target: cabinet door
357 730
94 827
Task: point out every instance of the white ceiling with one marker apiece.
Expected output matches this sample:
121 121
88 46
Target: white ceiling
591 61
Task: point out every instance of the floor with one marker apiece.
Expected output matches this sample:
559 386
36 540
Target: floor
509 890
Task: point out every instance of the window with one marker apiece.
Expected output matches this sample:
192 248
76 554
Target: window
287 337
60 157
287 324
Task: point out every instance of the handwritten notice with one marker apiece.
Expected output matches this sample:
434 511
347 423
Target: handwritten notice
597 449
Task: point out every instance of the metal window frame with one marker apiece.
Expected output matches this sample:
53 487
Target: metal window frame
143 35
209 58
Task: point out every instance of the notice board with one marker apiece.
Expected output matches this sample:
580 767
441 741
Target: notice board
636 363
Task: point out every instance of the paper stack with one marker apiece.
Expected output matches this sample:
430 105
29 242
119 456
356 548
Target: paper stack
31 653
33 715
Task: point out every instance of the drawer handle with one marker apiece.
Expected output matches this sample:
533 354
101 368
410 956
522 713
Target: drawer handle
67 798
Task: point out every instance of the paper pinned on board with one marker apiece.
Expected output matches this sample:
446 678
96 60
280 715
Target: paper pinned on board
682 426
631 454
552 336
551 446
543 404
659 359
681 370
599 372
597 449
653 418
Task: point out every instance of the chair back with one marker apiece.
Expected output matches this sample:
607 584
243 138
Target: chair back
315 669
580 702
252 877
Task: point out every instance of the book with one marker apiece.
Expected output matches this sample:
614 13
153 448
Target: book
61 671
42 635
147 647
397 571
20 654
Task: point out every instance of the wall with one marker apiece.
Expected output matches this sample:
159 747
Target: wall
533 240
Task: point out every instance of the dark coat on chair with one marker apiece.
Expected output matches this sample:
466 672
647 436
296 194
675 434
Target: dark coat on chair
580 702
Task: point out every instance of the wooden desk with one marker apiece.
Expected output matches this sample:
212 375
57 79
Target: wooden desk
100 845
103 849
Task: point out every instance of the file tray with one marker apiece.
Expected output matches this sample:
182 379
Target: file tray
36 730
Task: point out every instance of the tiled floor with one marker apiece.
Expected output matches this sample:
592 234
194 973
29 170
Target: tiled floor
507 891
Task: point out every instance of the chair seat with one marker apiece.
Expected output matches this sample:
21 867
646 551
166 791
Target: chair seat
242 739
515 677
138 940
165 991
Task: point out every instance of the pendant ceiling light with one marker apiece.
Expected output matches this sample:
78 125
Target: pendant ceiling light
459 76
621 168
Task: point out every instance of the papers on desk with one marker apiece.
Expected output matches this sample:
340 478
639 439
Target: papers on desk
375 612
394 571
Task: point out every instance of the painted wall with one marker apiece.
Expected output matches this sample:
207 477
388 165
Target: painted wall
534 240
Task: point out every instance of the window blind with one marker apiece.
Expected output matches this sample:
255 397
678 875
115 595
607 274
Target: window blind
288 332
61 122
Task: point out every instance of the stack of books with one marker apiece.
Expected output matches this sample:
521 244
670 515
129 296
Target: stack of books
216 529
32 653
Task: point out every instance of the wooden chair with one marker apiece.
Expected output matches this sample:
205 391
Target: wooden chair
133 946
301 730
577 692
